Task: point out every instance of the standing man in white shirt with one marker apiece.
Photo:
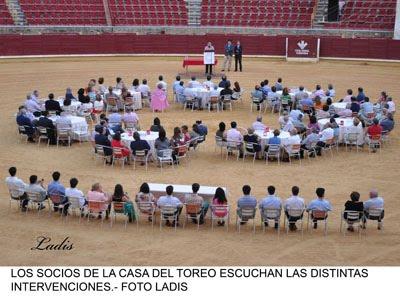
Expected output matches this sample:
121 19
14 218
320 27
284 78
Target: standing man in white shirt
170 200
17 188
294 202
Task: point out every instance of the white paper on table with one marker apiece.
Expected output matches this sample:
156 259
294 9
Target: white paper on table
209 58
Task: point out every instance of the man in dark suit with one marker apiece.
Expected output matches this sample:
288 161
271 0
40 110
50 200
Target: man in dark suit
24 120
238 50
102 139
46 122
52 105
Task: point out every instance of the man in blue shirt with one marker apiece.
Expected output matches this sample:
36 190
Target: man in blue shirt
271 201
56 188
361 95
228 51
179 91
319 204
387 123
246 201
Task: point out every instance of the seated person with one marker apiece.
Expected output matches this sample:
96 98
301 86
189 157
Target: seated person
170 200
387 123
317 103
286 123
324 112
258 95
227 91
102 139
56 188
120 196
24 120
208 83
145 196
202 128
159 100
319 204
130 118
313 123
115 120
234 137
17 188
195 199
355 105
299 124
52 105
374 202
271 201
72 191
180 92
355 205
162 142
374 131
117 143
139 144
46 122
98 195
275 140
33 106
309 141
252 138
221 133
219 199
246 201
156 127
294 202
258 125
325 135
273 98
185 134
294 139
36 186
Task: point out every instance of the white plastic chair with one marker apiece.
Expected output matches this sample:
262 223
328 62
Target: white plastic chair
273 215
244 215
165 156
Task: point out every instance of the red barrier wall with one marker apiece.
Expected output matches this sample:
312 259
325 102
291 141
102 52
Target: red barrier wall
182 44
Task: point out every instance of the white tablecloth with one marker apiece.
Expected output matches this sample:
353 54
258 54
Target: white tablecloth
207 192
79 124
284 136
292 92
137 97
339 106
344 126
75 104
151 139
201 92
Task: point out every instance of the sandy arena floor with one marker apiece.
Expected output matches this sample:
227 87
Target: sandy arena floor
346 172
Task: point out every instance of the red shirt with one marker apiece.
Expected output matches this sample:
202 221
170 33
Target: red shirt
375 130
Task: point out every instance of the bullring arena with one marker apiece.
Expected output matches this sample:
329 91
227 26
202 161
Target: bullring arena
44 51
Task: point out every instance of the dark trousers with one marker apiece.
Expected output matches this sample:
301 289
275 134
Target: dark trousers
23 199
366 216
293 219
209 69
51 134
238 60
178 213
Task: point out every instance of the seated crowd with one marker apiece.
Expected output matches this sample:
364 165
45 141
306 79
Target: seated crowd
107 135
22 192
325 122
